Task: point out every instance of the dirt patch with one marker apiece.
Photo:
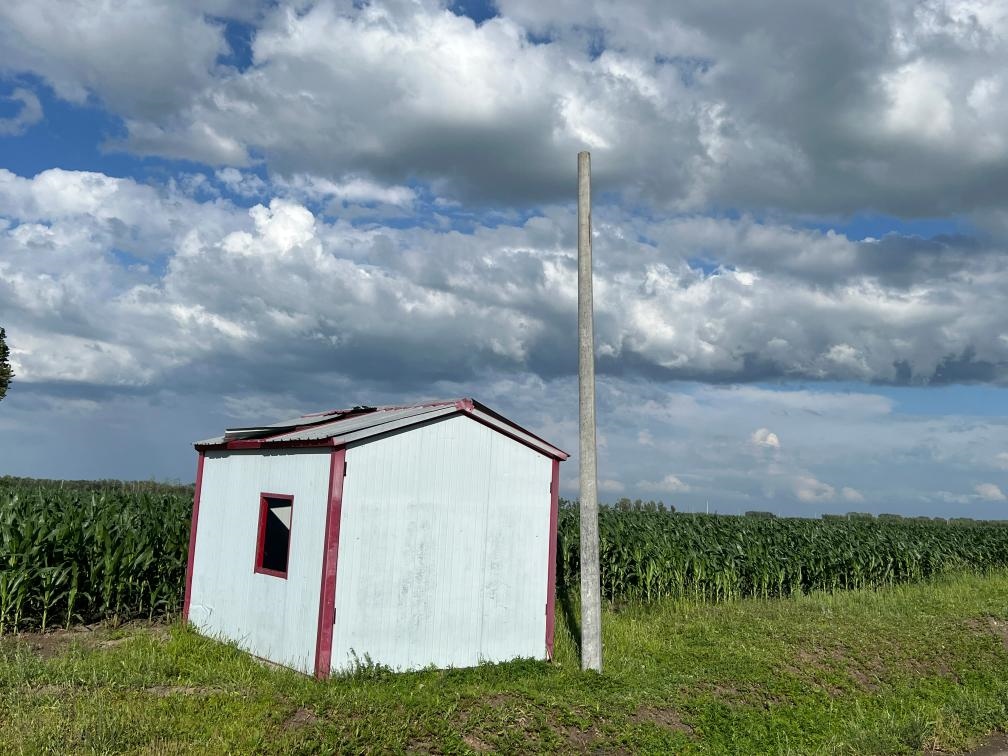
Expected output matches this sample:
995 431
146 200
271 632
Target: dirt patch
498 700
301 718
580 741
742 695
667 718
814 658
48 690
869 669
111 643
999 628
865 681
996 745
482 719
989 626
421 746
54 642
943 669
48 644
495 702
476 744
162 691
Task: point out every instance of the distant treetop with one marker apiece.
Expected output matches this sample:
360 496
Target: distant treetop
5 369
647 506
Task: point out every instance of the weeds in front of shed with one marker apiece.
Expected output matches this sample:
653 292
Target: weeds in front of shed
364 668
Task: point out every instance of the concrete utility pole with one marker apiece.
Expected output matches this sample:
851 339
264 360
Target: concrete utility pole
591 592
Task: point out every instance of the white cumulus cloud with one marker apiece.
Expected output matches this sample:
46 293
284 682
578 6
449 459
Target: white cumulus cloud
810 490
989 492
766 438
668 484
852 495
608 485
691 105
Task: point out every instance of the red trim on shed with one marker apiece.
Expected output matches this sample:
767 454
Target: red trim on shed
551 580
264 508
504 432
192 538
330 555
473 408
243 444
259 443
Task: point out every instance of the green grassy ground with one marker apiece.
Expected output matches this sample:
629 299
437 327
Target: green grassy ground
904 670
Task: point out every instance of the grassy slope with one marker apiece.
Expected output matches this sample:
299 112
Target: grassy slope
901 670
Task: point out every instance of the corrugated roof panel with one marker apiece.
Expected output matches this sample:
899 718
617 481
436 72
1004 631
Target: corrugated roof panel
314 418
358 422
347 436
215 441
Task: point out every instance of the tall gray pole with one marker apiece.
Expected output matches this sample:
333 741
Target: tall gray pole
591 598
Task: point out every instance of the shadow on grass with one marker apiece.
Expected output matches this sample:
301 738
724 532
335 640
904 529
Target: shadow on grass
567 606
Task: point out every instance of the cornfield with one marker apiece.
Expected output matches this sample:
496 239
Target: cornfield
78 552
650 555
82 551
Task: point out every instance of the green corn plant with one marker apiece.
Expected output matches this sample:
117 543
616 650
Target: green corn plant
71 597
51 581
9 586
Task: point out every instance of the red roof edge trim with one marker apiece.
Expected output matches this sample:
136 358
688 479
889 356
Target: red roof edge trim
262 443
515 433
243 444
498 416
474 409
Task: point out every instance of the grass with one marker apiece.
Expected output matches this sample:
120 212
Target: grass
914 668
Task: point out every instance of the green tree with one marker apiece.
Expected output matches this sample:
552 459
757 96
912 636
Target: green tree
5 369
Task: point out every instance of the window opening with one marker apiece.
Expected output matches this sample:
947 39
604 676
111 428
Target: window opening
273 550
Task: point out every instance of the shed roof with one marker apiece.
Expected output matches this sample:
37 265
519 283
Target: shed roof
344 426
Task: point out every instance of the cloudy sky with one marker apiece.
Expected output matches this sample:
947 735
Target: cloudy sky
214 212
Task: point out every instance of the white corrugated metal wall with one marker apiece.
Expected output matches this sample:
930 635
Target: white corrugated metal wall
443 549
274 618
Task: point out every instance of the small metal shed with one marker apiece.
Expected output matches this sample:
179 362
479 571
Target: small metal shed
411 536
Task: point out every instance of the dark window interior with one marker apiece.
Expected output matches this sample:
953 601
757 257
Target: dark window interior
275 527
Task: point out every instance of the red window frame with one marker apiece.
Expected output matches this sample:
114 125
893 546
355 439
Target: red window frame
261 538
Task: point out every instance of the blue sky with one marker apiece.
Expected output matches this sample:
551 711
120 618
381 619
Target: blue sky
219 212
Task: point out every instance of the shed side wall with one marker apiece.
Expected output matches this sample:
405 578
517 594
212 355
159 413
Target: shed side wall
443 549
271 617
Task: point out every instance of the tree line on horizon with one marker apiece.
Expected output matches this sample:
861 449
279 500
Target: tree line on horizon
626 504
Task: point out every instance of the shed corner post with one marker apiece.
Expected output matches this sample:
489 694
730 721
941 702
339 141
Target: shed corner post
551 586
190 557
330 554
